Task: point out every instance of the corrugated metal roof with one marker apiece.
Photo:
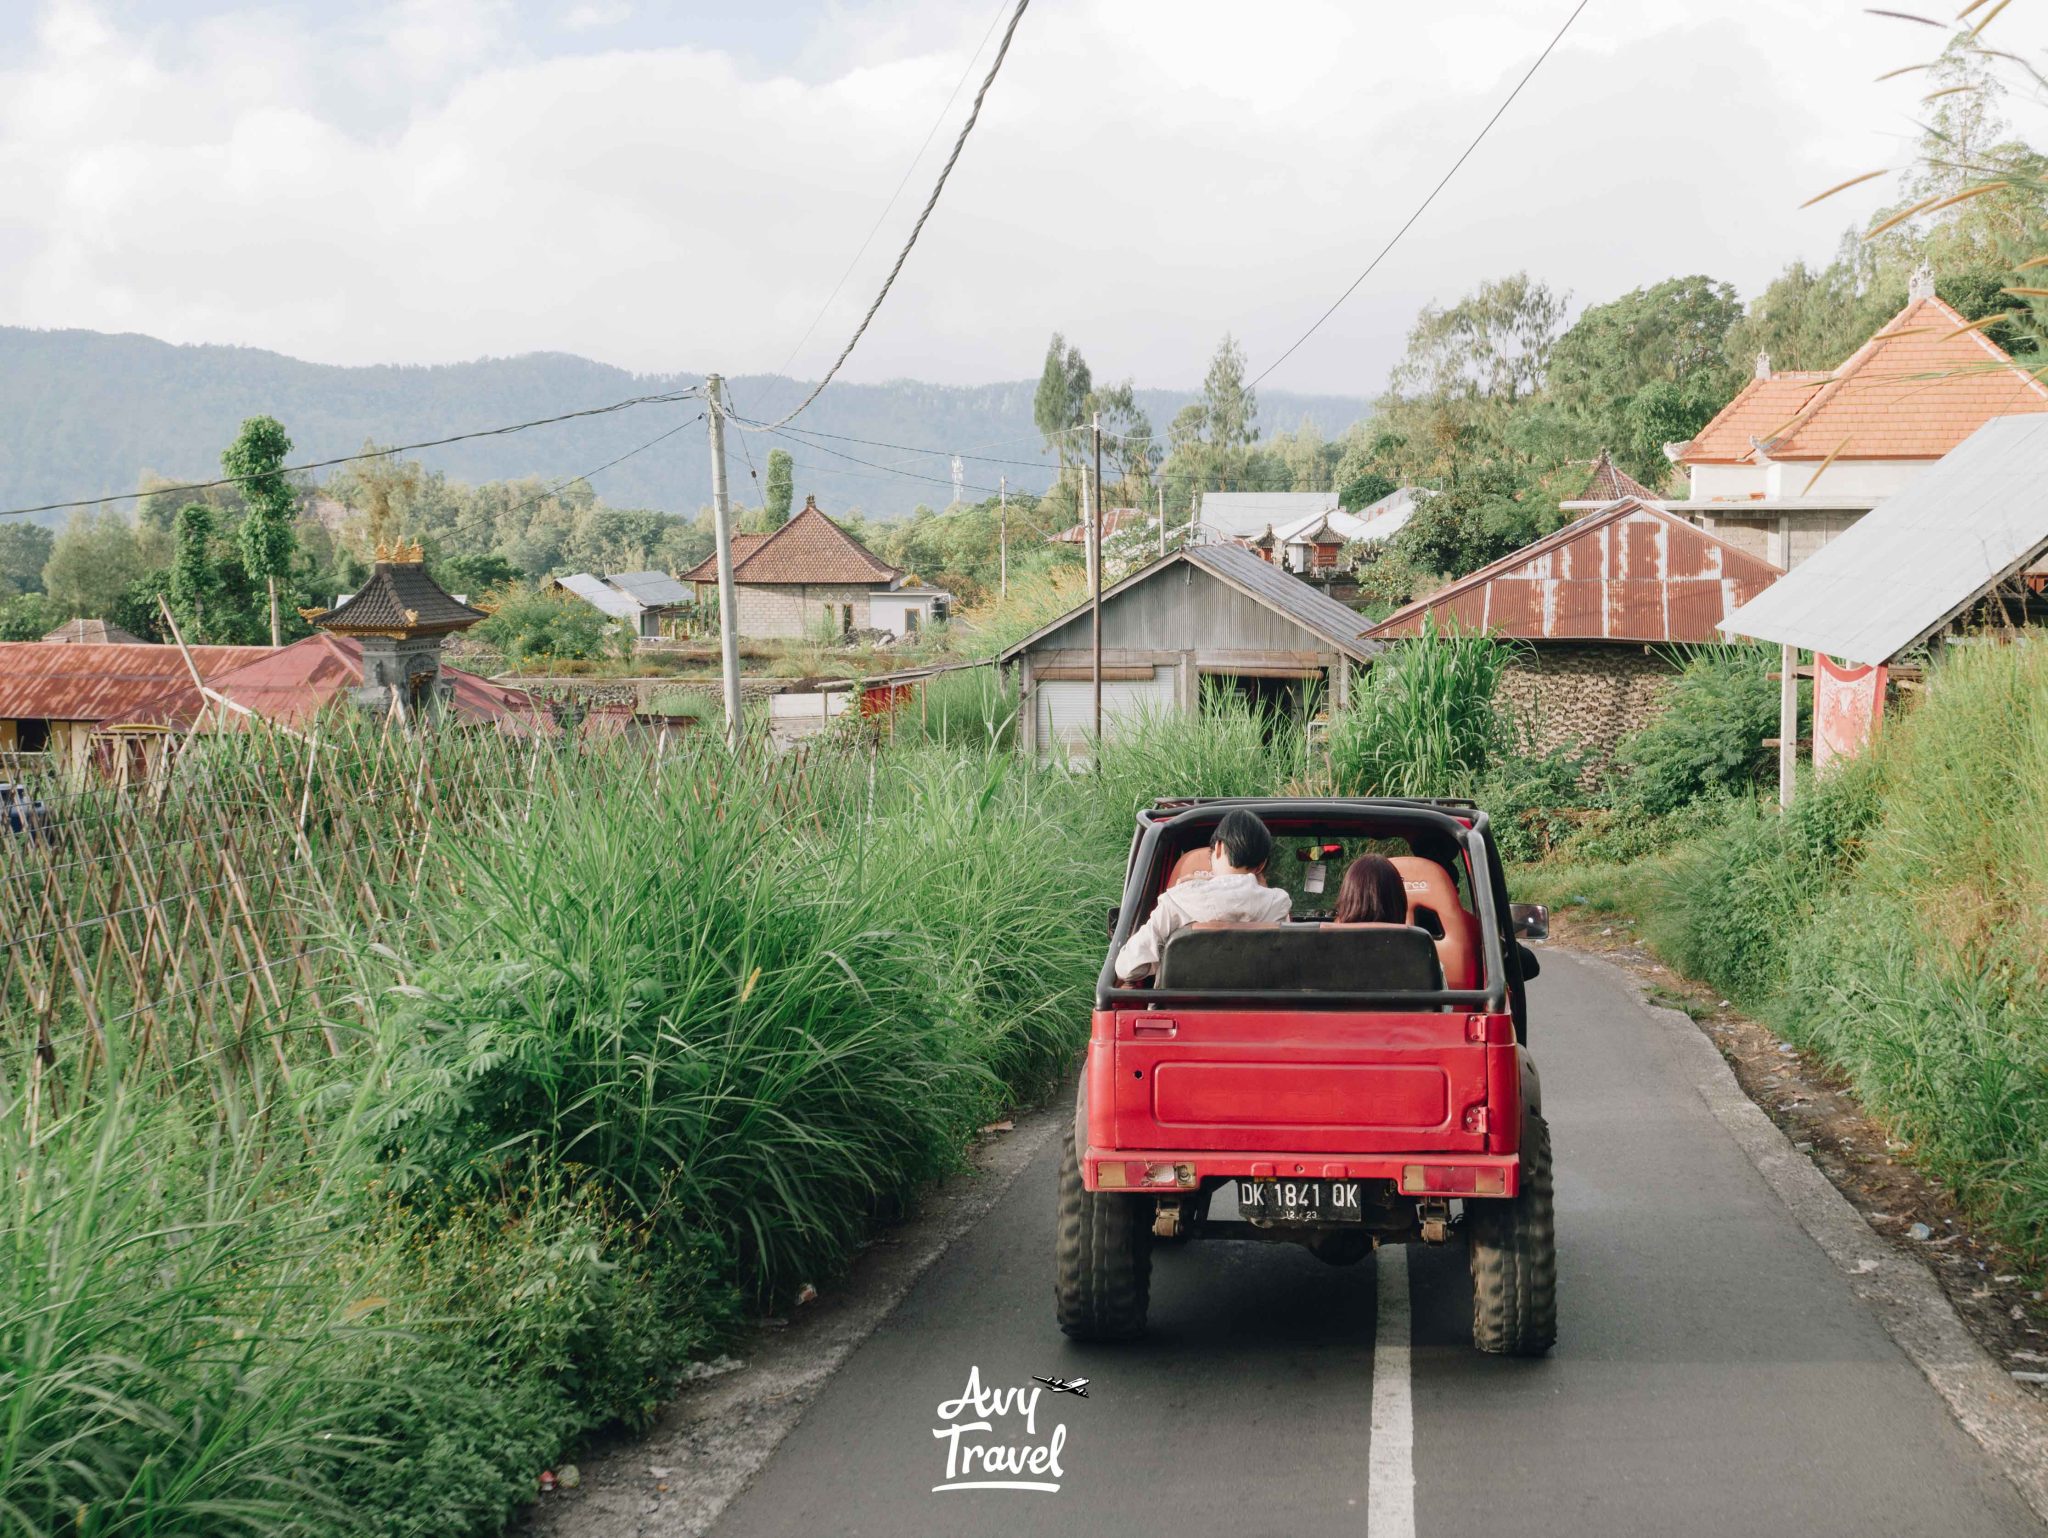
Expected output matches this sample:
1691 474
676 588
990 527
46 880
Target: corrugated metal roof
92 632
1247 514
651 589
1309 607
1630 572
1260 580
1920 558
293 685
595 592
68 681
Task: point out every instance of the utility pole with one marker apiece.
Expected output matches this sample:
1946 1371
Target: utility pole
1162 520
1788 723
1003 536
728 601
1095 511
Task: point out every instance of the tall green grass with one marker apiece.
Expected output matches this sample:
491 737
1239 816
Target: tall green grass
1896 921
577 1050
1424 719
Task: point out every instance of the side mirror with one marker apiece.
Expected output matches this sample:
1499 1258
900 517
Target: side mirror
1531 921
1115 912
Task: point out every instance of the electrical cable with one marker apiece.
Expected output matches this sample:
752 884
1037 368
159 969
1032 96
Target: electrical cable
908 172
973 116
381 453
1424 205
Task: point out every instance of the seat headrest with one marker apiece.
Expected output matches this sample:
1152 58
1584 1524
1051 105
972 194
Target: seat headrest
1195 862
1307 958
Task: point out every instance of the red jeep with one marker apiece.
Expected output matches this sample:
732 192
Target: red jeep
1345 1083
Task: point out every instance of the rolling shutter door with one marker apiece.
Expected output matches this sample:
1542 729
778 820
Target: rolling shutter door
1066 709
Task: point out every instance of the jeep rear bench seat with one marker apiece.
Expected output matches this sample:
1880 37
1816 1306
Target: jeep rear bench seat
1338 958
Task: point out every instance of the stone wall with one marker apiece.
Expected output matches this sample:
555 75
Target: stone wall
794 612
1586 691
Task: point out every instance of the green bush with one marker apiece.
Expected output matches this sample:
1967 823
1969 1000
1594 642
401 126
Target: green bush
1708 738
531 626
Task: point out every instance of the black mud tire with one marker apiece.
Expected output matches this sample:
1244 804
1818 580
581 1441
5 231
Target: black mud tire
1104 1251
1513 1248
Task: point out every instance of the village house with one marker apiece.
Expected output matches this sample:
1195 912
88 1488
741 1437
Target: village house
1595 609
91 632
1214 615
1798 456
54 695
1246 515
812 579
643 601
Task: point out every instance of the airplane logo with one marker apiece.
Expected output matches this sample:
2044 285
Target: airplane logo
1063 1385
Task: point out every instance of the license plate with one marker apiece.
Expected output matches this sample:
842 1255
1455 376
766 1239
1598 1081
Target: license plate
1300 1201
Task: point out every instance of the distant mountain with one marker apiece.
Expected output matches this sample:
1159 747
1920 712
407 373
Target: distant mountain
84 413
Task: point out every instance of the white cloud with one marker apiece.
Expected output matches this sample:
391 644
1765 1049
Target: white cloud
592 14
1146 175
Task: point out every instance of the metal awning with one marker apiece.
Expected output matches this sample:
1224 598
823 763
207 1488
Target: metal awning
1968 522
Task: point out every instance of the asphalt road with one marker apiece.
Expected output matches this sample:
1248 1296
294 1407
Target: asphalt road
1715 1372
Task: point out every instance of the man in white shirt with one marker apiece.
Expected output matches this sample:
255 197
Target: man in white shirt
1230 890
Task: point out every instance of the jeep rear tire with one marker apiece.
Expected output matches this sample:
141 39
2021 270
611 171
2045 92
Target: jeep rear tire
1104 1251
1513 1248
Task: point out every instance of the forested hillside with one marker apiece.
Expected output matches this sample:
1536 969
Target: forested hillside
83 413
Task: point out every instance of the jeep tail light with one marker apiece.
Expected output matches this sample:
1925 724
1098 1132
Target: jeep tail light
1453 1180
1174 1175
1109 1174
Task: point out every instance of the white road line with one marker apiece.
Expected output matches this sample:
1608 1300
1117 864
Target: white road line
1390 1491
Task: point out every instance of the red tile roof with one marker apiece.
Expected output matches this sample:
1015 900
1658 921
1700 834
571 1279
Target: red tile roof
294 685
811 548
1630 572
743 545
72 681
1915 390
1608 482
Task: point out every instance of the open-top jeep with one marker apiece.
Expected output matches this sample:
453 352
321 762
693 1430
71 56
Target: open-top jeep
1346 1084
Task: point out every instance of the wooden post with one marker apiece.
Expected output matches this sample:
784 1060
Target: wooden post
1788 724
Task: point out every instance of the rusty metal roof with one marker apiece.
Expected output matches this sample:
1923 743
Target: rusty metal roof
70 681
1629 572
292 686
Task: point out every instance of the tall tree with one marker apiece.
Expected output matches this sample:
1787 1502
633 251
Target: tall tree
1064 385
1494 344
1231 409
194 576
256 460
780 490
24 551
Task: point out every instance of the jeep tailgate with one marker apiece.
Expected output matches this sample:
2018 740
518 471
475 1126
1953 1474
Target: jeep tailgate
1308 1081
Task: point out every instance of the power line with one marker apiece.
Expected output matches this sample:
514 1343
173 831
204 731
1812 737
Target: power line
908 171
1424 205
540 497
383 453
936 480
973 116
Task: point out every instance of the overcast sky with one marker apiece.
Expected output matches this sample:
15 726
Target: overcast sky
667 185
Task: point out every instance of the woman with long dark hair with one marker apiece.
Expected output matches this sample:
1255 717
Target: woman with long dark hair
1372 893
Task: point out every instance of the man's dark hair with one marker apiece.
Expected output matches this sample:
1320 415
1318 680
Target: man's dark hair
1247 844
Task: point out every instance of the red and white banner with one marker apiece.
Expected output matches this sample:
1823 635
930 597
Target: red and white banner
1847 705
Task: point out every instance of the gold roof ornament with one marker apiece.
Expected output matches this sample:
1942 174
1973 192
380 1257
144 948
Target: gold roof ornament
400 554
310 615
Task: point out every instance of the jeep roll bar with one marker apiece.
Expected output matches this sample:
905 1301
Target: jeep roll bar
1468 830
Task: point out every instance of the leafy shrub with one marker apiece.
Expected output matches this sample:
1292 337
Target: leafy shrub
1532 801
536 626
1708 738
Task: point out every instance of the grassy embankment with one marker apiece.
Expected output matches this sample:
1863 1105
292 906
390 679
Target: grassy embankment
406 1111
1895 922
